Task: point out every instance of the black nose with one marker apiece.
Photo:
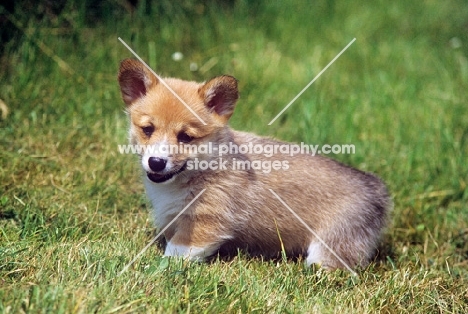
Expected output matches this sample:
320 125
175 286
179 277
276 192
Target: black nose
157 164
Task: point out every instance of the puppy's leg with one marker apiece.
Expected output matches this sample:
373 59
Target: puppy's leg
315 254
195 241
190 251
350 252
320 255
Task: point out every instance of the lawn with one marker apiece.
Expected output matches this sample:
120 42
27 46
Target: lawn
73 212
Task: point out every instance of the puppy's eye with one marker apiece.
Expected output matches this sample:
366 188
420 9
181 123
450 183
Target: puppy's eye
148 130
184 137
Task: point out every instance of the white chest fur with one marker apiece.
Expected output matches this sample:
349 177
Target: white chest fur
167 200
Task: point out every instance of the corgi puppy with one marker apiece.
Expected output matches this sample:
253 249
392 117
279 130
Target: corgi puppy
303 205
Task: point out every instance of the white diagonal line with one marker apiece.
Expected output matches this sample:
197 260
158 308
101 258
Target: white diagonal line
311 82
161 232
162 81
314 233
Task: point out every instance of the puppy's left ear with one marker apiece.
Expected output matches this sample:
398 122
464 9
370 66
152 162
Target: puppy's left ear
220 95
135 80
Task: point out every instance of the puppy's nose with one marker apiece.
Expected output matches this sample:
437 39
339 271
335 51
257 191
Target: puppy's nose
157 164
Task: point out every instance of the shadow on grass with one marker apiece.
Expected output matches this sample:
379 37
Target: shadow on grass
383 255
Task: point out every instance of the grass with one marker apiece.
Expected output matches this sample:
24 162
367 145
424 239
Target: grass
73 211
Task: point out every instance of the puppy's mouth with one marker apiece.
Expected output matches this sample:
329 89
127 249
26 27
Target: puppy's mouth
160 178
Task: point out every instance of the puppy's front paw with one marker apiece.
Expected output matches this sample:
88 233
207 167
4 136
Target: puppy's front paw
192 253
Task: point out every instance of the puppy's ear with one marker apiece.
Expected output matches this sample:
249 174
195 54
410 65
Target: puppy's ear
220 95
135 80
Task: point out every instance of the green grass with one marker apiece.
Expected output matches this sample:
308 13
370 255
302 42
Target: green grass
73 211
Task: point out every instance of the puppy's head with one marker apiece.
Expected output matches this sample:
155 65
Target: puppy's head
160 121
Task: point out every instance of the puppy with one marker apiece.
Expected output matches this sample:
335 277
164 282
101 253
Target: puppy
264 203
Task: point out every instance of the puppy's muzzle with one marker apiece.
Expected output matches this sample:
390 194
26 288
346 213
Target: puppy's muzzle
157 165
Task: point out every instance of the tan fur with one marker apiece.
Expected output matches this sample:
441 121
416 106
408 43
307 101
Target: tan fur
347 208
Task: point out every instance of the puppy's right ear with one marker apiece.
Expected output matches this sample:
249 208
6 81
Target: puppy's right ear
135 80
